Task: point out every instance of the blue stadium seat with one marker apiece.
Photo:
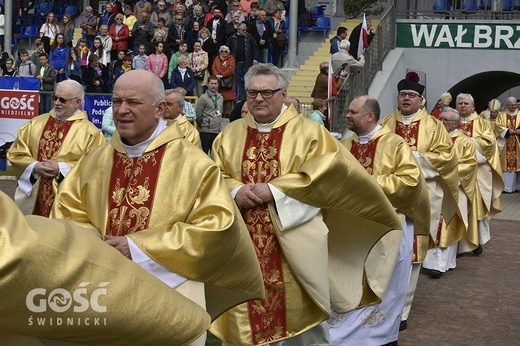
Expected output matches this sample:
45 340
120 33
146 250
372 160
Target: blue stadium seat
30 33
316 12
322 24
72 11
469 5
441 5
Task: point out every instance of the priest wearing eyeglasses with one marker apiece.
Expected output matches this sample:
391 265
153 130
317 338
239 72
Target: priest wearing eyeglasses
432 147
323 231
48 146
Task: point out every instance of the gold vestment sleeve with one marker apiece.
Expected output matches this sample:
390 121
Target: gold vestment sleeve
59 281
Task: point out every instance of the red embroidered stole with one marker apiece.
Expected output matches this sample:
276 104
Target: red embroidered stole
365 153
260 164
467 127
52 137
511 154
132 190
410 133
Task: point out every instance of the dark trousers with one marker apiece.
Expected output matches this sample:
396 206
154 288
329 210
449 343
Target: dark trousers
206 140
240 72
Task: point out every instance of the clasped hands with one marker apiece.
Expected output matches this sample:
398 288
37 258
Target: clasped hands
47 168
252 195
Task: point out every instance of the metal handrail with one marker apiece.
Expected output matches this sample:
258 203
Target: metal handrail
358 82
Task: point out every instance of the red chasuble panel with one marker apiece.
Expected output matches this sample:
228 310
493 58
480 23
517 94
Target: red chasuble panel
410 133
365 153
53 135
511 155
260 164
132 190
467 127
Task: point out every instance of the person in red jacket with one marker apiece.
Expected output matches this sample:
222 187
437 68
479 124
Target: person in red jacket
120 34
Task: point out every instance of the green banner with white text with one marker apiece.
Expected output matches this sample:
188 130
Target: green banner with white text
458 35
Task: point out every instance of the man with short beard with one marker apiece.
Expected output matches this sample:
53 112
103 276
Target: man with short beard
48 146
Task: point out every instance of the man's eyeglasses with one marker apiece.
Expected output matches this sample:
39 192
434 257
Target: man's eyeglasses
404 94
266 94
224 51
236 5
446 120
62 100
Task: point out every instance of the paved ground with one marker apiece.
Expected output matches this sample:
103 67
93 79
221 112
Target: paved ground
474 304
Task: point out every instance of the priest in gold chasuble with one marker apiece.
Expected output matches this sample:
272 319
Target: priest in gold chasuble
432 147
48 146
490 182
389 159
324 233
174 105
466 152
508 128
162 202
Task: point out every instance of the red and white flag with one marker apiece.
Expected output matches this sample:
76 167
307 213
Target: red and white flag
363 37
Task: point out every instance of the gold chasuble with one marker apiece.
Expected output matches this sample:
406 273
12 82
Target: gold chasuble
389 159
189 131
343 259
61 284
510 155
48 138
174 205
465 151
489 177
427 135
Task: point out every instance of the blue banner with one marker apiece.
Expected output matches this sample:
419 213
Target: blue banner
24 83
95 106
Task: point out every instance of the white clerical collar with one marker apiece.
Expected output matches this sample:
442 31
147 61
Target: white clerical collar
138 149
464 119
364 139
178 117
267 127
64 119
452 132
407 119
511 113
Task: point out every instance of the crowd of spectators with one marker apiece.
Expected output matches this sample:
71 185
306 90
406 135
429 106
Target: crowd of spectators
182 42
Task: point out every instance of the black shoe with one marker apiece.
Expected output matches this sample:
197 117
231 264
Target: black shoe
436 274
403 325
478 251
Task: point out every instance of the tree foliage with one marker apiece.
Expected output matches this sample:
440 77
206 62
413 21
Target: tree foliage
355 8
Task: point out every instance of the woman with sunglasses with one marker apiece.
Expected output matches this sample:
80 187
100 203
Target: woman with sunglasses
224 67
120 34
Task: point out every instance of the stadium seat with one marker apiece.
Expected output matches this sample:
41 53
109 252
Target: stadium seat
316 12
441 5
322 24
72 11
30 33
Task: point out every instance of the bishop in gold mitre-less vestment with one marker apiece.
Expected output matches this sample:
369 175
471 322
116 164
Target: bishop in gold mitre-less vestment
341 254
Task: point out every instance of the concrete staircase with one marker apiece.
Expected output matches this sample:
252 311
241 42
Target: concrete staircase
302 82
